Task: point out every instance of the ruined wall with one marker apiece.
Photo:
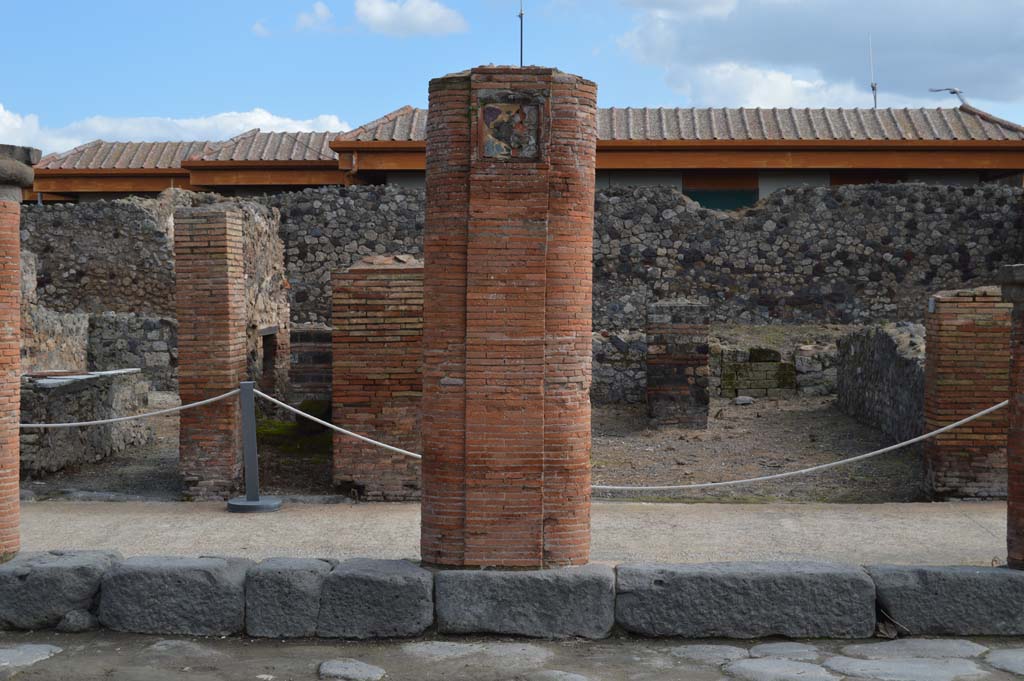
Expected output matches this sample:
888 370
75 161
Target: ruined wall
881 378
84 397
124 340
330 228
49 340
267 317
104 255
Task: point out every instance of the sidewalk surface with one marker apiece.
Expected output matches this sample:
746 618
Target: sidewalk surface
969 533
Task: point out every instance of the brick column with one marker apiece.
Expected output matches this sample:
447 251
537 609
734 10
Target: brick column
378 381
677 364
1012 279
208 245
507 318
966 370
15 173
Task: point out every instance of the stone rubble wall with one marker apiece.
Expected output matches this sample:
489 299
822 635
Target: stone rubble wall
83 397
124 340
853 254
103 256
880 378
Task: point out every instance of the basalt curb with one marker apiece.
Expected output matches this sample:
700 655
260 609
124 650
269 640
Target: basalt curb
366 599
538 603
746 600
957 601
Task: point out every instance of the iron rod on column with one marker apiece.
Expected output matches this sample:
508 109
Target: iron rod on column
252 502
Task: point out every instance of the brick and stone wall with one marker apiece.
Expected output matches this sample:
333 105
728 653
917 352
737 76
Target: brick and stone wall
881 378
81 397
507 328
378 379
677 364
233 325
866 254
309 376
967 370
49 340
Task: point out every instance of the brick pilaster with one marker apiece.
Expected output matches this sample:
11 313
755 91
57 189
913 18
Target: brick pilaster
15 173
10 375
1012 280
377 388
507 317
967 370
208 247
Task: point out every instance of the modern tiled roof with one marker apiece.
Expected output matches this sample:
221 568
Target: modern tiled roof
101 155
255 145
960 124
407 124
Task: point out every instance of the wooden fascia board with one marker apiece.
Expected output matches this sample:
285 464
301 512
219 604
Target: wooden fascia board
263 176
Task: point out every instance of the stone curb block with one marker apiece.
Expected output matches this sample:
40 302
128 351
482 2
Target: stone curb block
173 595
958 601
282 597
746 600
366 598
37 590
543 604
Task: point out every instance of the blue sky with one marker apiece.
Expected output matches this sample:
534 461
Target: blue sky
208 70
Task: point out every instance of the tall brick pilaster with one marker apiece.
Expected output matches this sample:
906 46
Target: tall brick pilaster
15 173
208 246
377 317
507 318
1012 279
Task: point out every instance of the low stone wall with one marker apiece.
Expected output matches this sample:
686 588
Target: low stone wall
362 598
148 343
74 398
880 378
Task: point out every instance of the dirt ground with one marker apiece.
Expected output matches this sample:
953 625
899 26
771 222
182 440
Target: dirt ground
770 436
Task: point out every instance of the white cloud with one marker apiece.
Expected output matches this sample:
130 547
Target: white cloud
260 29
733 84
687 8
26 129
409 17
318 19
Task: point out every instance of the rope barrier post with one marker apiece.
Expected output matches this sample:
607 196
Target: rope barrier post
252 502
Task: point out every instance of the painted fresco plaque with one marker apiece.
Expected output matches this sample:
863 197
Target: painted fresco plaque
510 130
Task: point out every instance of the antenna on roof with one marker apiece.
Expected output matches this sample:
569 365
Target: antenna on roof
871 60
951 90
522 14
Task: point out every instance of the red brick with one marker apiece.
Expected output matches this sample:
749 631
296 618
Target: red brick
10 378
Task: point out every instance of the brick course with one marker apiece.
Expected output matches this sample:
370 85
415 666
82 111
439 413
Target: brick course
677 364
1012 279
378 382
966 371
507 318
208 247
10 379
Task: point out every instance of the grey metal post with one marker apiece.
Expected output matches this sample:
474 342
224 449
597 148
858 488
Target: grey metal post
252 503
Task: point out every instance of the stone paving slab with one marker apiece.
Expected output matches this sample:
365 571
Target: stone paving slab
127 657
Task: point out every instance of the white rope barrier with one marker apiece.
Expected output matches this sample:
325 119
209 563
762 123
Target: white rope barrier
327 424
803 471
118 419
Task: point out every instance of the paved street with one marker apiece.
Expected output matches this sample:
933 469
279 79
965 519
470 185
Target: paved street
966 533
122 657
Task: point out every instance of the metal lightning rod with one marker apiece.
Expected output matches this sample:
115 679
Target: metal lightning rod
871 59
521 15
